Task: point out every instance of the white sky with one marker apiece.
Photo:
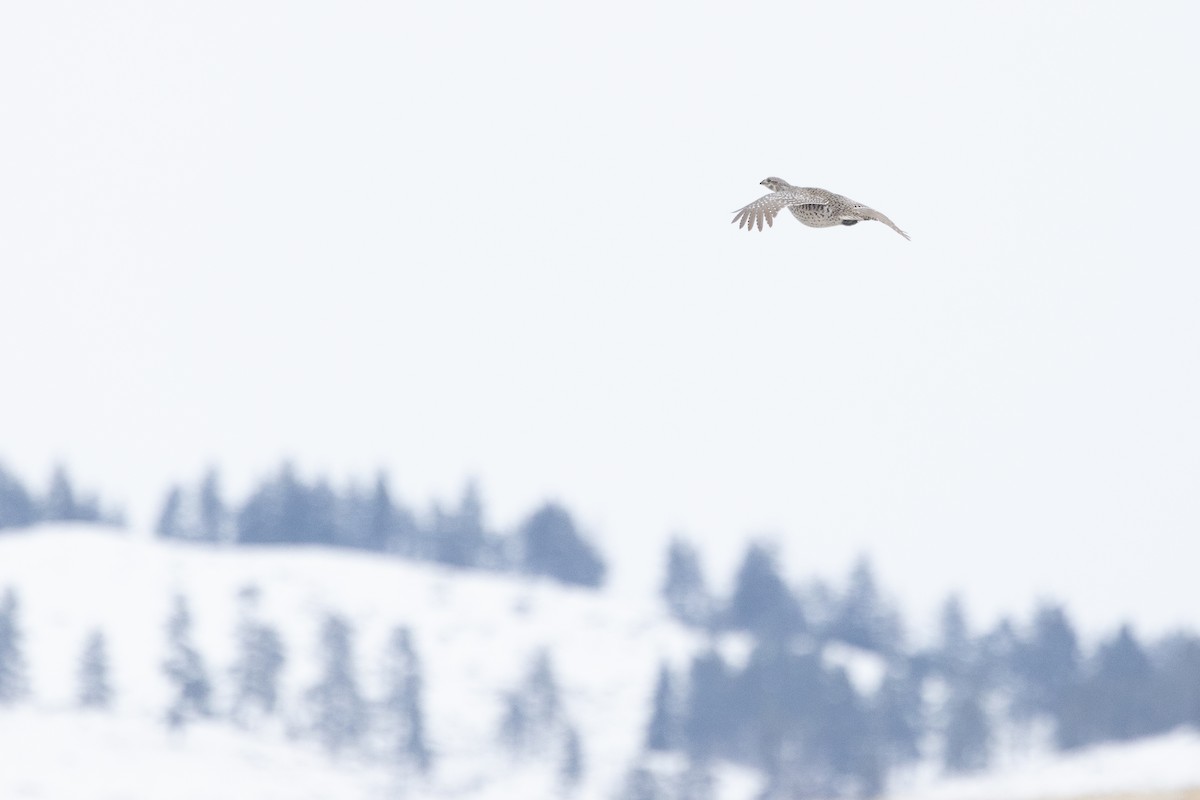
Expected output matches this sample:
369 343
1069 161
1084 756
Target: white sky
493 240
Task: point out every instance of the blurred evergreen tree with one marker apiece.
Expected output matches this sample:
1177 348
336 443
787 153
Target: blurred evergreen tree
897 711
214 517
62 504
340 713
95 689
552 546
260 660
684 588
285 510
402 704
185 670
663 731
533 711
170 524
196 514
862 618
571 767
712 714
515 726
14 680
389 526
17 508
542 696
1046 664
1116 700
761 601
954 655
459 537
1177 684
996 656
968 733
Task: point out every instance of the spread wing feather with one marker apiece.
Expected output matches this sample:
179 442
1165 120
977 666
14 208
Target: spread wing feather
766 207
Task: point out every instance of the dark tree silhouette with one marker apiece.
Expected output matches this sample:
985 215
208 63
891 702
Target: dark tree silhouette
761 600
340 713
95 688
551 545
260 660
185 670
684 587
14 681
402 705
663 730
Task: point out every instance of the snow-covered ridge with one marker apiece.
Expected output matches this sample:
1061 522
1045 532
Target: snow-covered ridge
476 633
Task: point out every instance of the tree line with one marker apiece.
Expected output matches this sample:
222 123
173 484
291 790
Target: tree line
61 502
795 714
285 509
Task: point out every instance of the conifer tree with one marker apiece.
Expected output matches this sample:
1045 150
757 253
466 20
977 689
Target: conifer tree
515 726
541 691
389 526
60 503
1046 664
340 713
897 715
458 536
185 670
968 733
403 703
95 688
213 520
552 546
169 524
955 652
662 732
571 768
534 710
711 714
14 681
762 602
684 588
17 508
260 660
862 618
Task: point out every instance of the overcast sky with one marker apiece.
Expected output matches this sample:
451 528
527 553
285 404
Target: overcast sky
493 240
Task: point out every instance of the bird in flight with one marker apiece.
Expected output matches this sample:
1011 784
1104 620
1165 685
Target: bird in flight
816 208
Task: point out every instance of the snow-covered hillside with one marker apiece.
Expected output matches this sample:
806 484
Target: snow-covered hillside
1158 765
476 635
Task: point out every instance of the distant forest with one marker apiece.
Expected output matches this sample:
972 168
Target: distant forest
286 510
792 708
20 507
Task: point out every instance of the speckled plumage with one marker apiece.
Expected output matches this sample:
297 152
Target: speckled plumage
816 208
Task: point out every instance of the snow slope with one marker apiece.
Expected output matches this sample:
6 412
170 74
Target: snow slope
476 635
1161 764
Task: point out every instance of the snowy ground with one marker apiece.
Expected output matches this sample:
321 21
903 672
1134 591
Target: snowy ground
476 635
1163 764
